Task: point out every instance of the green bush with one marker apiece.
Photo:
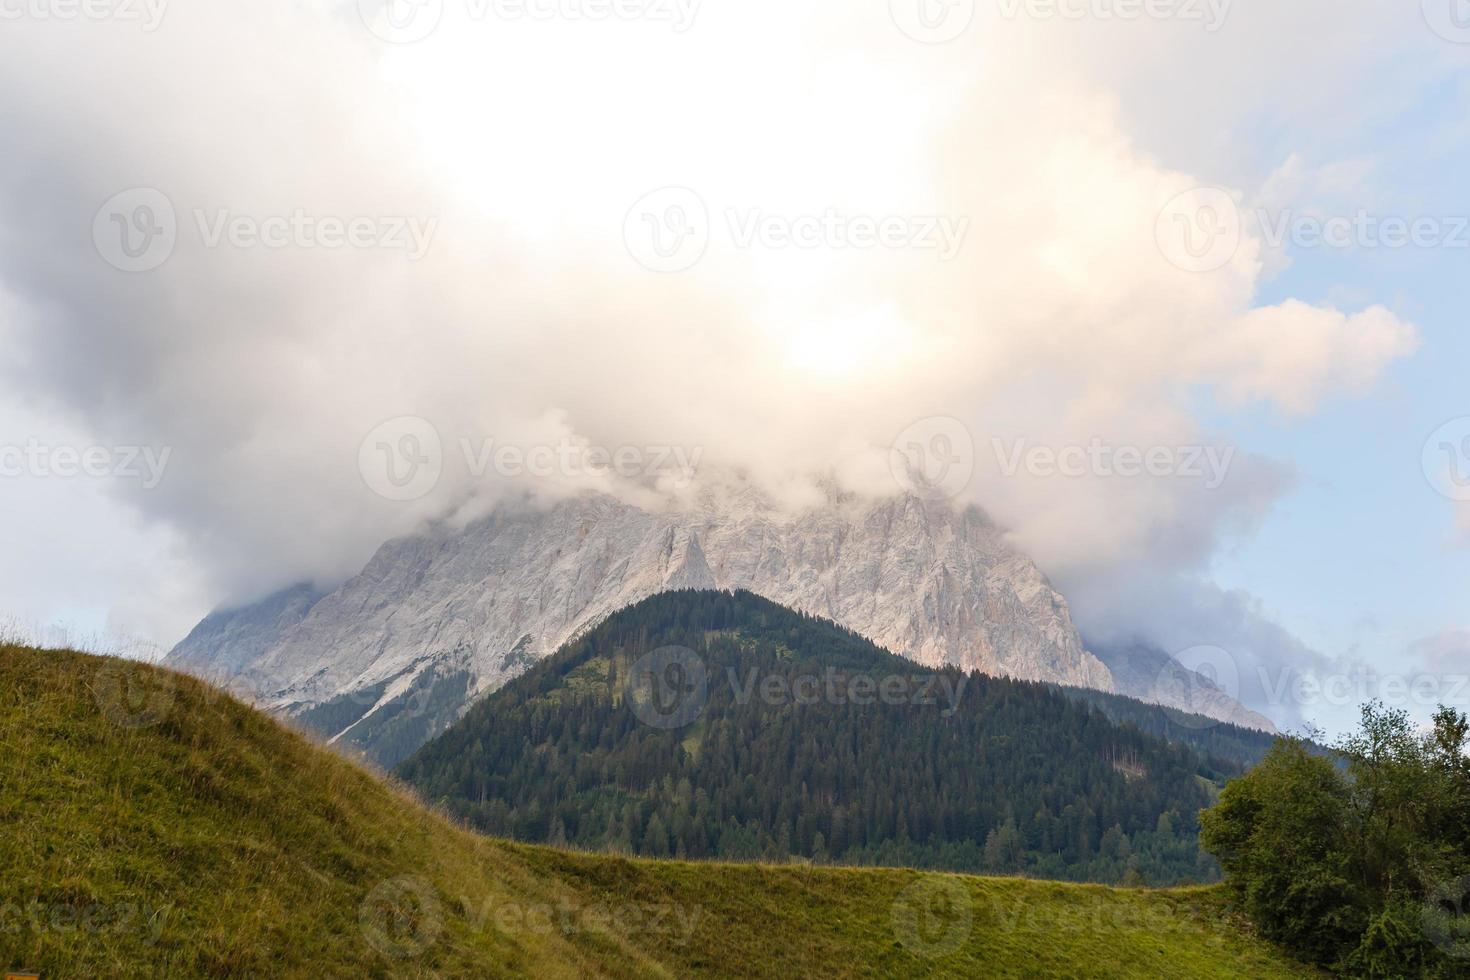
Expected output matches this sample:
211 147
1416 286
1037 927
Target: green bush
1336 857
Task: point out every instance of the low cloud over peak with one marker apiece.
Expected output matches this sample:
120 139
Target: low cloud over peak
778 265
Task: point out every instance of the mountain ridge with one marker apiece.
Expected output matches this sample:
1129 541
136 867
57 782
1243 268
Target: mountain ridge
467 608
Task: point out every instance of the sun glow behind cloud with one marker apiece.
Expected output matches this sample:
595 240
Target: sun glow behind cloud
847 346
1059 320
552 130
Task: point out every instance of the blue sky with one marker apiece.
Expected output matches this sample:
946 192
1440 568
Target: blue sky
1361 558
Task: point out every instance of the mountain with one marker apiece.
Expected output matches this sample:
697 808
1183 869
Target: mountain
226 643
439 618
156 827
751 741
1147 673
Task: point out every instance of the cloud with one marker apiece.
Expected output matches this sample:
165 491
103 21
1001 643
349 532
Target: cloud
1178 613
1293 354
1060 320
1446 652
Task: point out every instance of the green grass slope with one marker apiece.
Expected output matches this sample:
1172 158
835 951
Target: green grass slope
151 826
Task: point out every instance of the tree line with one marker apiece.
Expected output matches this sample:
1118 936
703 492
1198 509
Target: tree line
1011 777
1359 859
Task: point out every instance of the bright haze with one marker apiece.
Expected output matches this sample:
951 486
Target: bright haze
775 236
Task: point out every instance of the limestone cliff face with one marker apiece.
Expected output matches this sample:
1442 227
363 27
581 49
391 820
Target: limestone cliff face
932 583
1149 674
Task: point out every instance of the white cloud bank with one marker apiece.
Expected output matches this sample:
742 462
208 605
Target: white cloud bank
1060 320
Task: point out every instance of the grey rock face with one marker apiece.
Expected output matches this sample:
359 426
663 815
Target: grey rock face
227 642
937 585
1149 674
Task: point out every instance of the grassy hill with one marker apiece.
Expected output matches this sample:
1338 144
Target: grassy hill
151 826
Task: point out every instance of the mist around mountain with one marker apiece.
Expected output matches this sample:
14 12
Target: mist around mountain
1143 671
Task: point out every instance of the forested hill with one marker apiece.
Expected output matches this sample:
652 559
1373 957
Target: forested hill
1228 749
719 725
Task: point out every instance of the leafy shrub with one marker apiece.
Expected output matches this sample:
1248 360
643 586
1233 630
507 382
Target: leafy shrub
1337 857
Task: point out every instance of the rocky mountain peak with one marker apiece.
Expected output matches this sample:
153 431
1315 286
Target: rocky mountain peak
480 603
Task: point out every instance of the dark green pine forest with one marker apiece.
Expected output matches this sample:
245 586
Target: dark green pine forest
743 742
